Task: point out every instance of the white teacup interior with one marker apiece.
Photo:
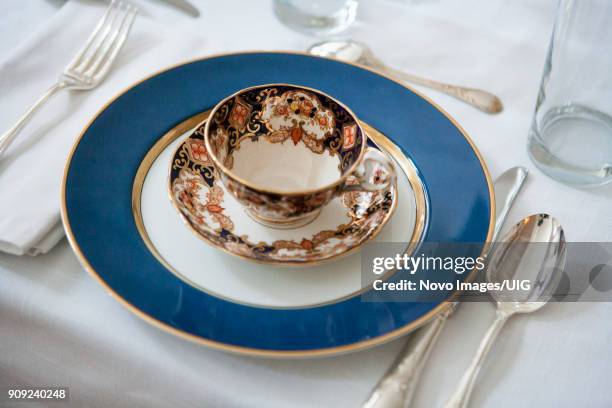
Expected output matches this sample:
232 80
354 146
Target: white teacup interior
284 167
284 138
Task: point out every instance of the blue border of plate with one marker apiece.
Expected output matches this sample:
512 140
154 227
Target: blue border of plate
97 212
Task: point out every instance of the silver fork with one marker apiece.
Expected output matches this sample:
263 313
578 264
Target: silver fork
90 65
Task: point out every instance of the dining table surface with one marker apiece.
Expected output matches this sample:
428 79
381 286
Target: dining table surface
58 326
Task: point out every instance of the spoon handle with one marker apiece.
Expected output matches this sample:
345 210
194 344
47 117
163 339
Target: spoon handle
397 387
482 100
461 396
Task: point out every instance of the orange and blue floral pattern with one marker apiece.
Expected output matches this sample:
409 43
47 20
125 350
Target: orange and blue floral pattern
198 195
283 112
279 114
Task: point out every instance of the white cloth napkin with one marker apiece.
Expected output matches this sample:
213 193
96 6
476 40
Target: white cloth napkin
32 168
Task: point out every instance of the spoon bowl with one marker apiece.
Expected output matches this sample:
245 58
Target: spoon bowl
349 51
534 251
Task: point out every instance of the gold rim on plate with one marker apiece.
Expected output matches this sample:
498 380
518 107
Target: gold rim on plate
443 306
195 121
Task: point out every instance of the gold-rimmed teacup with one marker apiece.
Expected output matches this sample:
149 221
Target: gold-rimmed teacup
284 151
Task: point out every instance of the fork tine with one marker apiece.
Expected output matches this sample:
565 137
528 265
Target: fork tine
91 40
107 45
94 49
118 44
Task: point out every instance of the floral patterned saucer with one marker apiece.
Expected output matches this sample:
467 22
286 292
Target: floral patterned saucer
345 224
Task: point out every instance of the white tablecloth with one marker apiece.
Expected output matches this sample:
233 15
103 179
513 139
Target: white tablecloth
58 327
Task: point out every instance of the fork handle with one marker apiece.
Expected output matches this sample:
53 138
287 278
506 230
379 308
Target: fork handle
461 397
396 389
7 138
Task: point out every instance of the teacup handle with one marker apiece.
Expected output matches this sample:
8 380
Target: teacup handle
373 161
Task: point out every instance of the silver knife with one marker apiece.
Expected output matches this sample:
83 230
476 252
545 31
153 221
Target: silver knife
185 6
397 387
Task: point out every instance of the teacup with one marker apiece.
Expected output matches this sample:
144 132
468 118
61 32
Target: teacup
285 151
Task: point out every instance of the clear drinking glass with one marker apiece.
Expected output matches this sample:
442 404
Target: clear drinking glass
316 17
571 134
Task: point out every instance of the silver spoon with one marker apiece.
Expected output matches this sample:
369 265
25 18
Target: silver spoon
352 51
517 257
399 384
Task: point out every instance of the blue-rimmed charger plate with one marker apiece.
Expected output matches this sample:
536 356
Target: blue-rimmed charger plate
100 224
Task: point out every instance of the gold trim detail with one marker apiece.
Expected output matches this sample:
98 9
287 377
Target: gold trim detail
381 140
376 136
251 351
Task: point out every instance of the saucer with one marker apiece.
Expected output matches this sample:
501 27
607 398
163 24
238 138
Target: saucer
342 227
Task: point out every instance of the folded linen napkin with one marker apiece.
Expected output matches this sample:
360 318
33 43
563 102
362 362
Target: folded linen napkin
31 169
